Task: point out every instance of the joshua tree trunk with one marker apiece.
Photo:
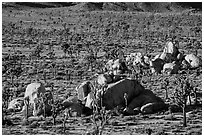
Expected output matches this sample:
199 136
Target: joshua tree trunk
68 74
53 72
44 75
184 116
196 98
90 65
189 98
44 109
54 120
27 111
12 79
166 92
196 51
27 106
64 122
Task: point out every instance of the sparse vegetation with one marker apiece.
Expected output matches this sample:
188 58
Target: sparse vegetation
183 91
56 45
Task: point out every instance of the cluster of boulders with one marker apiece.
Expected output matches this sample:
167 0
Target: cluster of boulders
115 89
173 60
115 95
137 58
170 61
32 101
137 99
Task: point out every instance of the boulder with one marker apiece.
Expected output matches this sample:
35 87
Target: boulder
185 65
180 57
103 79
70 101
34 93
76 108
193 60
137 60
119 67
156 57
16 105
114 94
163 55
83 90
116 63
169 53
169 58
146 59
117 72
146 102
171 68
109 64
156 65
89 100
171 49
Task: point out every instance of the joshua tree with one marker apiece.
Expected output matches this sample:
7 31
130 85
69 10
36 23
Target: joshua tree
165 85
6 96
68 74
181 94
13 65
44 76
42 102
56 108
126 103
53 65
37 51
26 100
195 95
65 47
66 115
91 59
100 115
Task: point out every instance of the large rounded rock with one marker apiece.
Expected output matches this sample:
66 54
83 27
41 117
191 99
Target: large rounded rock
171 68
147 102
180 57
156 57
114 94
119 67
75 107
156 65
34 93
83 90
104 79
16 105
193 60
171 49
70 101
109 64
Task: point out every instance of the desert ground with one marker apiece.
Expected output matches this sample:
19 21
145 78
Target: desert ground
32 40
